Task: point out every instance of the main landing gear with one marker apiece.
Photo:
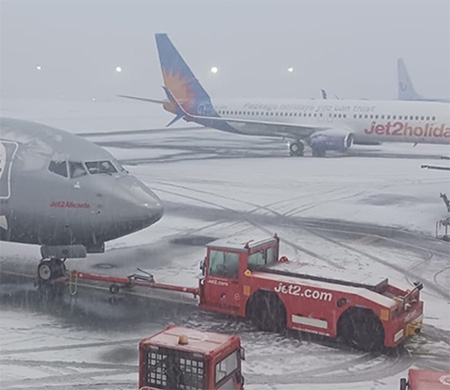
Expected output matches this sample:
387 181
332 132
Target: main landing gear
296 148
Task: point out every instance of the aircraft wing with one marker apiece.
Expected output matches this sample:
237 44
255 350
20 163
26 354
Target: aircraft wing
143 99
283 129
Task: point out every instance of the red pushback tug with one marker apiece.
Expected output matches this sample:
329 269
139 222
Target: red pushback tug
182 358
248 279
426 380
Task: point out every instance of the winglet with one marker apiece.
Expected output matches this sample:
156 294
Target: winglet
180 112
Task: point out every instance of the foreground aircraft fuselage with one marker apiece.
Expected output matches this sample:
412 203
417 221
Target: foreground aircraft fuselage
59 190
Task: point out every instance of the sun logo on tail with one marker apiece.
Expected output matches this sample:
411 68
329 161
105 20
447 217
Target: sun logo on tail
180 88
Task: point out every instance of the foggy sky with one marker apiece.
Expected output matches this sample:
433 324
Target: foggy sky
349 48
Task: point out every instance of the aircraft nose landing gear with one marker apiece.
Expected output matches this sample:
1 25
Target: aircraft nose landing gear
50 269
51 275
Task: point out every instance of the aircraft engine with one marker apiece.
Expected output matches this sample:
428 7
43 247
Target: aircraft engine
331 140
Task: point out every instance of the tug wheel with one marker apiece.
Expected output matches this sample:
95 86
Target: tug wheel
267 311
361 329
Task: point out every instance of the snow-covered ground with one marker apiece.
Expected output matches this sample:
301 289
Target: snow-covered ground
373 211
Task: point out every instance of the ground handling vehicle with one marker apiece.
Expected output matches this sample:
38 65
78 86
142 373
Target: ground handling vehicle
425 380
183 358
247 278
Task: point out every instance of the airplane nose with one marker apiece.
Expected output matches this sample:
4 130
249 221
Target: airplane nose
138 207
153 210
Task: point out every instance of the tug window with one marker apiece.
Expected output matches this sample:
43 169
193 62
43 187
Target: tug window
263 257
58 167
226 366
224 264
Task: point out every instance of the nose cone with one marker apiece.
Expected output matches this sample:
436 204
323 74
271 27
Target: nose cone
152 211
137 206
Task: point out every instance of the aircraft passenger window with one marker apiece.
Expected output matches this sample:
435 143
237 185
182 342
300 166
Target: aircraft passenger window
411 118
76 169
360 116
95 167
376 116
344 116
422 118
393 117
428 118
58 167
224 264
382 116
339 115
366 116
321 115
400 117
309 115
371 117
388 117
433 118
315 115
417 118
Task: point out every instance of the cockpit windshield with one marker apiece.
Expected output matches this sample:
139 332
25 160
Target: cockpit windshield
95 167
58 167
76 169
118 165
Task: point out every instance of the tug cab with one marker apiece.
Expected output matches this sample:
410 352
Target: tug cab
183 358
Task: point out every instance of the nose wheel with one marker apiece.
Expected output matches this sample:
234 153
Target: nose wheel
50 269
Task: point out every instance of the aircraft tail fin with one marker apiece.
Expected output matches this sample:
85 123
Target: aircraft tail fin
180 80
406 89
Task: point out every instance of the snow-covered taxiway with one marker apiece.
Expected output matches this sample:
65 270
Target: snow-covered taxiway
373 210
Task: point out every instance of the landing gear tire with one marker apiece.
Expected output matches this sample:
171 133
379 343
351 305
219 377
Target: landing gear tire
361 329
50 269
267 312
318 152
296 148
